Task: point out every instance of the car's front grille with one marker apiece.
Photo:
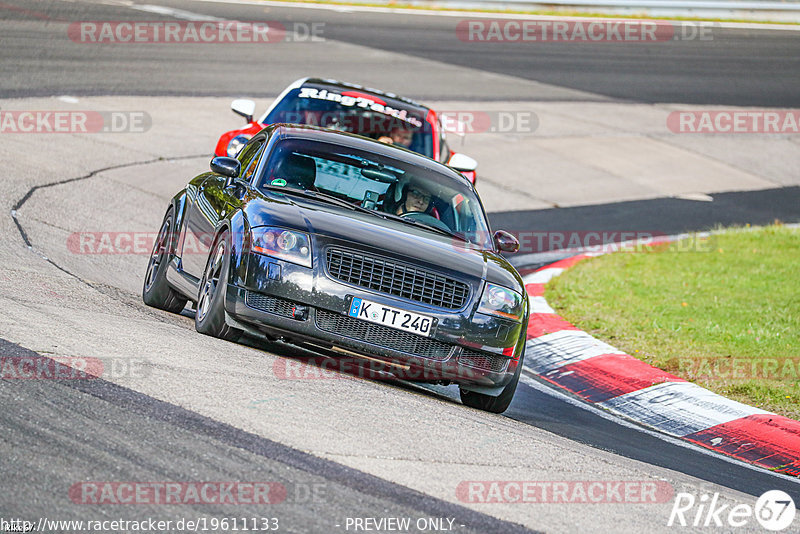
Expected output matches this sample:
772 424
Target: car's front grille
396 279
382 336
481 360
265 303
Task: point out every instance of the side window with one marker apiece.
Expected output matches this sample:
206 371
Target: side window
251 169
444 149
249 158
249 151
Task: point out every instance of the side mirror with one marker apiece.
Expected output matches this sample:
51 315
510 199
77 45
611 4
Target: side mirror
505 242
229 167
244 107
463 163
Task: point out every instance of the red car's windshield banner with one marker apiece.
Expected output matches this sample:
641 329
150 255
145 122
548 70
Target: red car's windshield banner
362 101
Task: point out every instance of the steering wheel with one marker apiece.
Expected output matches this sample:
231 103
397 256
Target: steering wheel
425 218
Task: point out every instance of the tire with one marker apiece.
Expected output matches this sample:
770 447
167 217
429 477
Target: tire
210 316
156 291
498 404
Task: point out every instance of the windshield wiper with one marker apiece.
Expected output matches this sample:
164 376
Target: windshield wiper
325 198
313 194
442 231
427 226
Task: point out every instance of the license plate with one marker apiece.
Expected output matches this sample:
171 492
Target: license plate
391 317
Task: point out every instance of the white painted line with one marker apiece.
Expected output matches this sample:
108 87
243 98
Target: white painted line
542 276
540 305
679 408
180 14
551 351
175 13
697 197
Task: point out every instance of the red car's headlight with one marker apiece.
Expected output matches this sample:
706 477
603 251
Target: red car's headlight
235 145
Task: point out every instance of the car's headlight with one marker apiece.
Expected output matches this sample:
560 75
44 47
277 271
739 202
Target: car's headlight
503 302
284 244
235 145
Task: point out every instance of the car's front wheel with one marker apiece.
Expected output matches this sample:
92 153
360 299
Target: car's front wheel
498 404
156 291
210 316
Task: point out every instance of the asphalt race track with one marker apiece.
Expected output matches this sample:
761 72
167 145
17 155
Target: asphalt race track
174 405
736 68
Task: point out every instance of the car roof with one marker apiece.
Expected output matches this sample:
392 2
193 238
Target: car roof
315 133
340 86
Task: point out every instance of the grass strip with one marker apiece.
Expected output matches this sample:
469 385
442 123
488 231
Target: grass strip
724 313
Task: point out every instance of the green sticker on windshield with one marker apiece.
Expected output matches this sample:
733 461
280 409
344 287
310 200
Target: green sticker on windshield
280 182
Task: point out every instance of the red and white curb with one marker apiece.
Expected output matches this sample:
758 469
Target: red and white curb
571 359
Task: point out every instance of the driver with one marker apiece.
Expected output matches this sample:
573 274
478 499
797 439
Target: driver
399 135
418 200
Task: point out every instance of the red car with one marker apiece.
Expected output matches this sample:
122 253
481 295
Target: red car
355 109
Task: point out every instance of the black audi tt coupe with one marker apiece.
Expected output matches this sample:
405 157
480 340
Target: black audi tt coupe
324 238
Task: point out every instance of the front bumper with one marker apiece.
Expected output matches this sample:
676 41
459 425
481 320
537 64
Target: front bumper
407 356
465 347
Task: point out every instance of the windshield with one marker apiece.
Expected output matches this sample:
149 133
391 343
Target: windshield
358 113
386 186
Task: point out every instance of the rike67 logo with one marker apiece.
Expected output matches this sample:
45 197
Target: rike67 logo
774 511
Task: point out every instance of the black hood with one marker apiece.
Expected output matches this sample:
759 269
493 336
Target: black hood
330 224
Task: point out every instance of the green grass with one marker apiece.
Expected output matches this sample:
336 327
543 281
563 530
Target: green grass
726 316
